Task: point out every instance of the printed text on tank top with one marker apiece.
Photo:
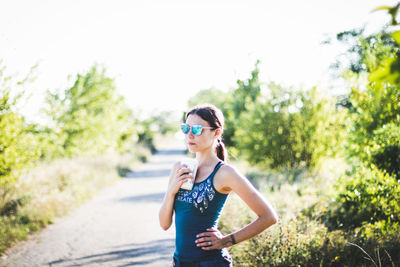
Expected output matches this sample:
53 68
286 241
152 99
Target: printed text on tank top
202 193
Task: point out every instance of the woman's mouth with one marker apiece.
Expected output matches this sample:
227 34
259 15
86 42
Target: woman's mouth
191 144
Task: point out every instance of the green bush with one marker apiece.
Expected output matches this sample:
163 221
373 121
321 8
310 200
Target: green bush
18 146
367 195
373 101
53 189
212 95
372 108
154 125
291 242
385 149
232 103
91 116
302 241
288 128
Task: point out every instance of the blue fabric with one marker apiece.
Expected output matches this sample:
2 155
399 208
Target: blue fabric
196 211
225 262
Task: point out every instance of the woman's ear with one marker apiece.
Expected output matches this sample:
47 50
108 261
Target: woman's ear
218 133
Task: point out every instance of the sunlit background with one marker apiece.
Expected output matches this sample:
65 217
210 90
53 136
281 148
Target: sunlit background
91 98
162 52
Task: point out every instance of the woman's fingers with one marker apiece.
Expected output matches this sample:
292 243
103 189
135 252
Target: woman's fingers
208 244
205 234
209 240
182 174
209 247
182 181
203 242
204 238
184 178
183 171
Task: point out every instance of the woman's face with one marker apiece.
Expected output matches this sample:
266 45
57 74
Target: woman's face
205 140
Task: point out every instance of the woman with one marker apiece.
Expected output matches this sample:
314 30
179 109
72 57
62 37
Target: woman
198 241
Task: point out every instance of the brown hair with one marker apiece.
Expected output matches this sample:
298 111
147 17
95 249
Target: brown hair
215 118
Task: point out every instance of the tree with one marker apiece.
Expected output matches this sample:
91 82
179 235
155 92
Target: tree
18 146
90 116
374 99
289 128
241 98
213 96
367 200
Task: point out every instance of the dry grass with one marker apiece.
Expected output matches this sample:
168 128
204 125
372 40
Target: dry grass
53 189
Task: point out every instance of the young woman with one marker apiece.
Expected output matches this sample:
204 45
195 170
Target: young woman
198 241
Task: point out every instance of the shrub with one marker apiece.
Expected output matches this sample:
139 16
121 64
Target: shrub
301 241
53 189
18 146
385 149
290 129
303 236
91 116
367 195
289 243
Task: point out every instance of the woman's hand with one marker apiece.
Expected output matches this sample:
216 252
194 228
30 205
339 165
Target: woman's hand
178 177
212 239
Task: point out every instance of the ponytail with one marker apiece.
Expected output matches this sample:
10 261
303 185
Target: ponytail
221 151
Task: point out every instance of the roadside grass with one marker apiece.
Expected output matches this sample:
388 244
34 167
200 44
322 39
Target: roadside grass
53 189
300 238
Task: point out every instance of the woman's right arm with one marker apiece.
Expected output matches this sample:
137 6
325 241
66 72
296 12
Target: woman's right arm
177 177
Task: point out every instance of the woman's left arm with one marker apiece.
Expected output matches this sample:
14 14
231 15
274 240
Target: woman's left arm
236 182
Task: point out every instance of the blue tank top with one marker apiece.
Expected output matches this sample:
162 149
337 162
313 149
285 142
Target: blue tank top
196 211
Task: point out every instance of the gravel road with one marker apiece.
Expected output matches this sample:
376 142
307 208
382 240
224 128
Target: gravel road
119 227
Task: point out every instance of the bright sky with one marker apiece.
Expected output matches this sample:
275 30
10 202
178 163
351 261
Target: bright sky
162 52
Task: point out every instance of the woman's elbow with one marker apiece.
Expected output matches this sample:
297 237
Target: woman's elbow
274 219
165 224
165 227
270 219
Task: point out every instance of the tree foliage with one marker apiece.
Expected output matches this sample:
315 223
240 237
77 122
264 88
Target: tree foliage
374 102
232 103
277 126
289 128
91 116
212 95
368 197
18 146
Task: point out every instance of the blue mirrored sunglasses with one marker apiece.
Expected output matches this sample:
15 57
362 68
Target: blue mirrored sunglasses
196 129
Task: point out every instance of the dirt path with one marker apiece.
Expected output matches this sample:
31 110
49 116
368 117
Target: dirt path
119 227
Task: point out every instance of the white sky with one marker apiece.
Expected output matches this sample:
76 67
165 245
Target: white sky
163 52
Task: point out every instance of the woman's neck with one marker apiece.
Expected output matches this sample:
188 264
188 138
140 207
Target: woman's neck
206 157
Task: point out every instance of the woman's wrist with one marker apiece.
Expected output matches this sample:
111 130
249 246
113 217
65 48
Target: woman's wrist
170 194
233 240
229 240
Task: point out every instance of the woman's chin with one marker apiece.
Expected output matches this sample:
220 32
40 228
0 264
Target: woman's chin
192 150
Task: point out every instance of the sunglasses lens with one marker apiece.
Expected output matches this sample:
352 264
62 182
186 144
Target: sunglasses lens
196 129
185 128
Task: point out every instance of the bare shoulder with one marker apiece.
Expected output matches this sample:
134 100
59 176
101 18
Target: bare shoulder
227 177
229 171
